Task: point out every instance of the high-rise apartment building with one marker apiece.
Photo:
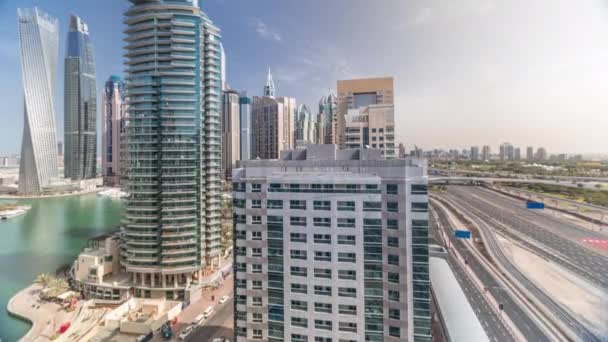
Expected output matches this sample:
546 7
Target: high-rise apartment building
371 126
327 120
486 153
113 132
358 93
80 104
517 153
231 132
530 153
305 127
272 123
38 44
541 154
331 245
245 103
474 154
173 213
507 152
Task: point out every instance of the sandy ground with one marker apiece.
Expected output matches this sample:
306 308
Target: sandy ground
587 302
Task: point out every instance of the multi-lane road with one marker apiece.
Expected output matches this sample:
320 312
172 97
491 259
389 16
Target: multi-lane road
220 324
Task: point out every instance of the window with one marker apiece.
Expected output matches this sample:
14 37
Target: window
257 334
393 277
299 338
393 295
256 204
350 292
299 288
256 301
323 290
256 284
298 221
299 322
256 219
241 316
392 189
393 260
322 339
256 252
392 241
238 203
256 235
347 274
394 331
372 206
323 307
238 187
241 283
256 317
322 205
392 224
322 256
299 305
347 257
256 187
274 204
322 222
324 273
256 268
419 189
346 240
394 314
298 254
392 207
347 327
297 205
371 186
298 237
420 207
322 238
344 309
299 271
240 219
322 324
346 223
346 206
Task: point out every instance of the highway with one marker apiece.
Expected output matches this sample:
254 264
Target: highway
550 237
220 324
520 318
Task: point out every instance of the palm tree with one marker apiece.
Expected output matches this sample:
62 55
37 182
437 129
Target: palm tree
43 279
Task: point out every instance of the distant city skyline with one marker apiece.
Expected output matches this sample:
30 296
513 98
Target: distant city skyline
538 83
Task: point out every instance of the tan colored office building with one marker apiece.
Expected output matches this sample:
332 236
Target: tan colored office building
273 125
231 132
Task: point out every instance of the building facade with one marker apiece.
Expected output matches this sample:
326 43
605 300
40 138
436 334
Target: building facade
305 127
80 104
530 153
173 214
541 154
327 120
474 153
331 245
358 93
507 152
245 103
231 132
486 153
38 44
113 132
371 126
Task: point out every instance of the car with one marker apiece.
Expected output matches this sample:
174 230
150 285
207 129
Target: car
224 299
186 332
219 339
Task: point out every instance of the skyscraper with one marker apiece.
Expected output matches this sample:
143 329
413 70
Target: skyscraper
507 152
113 127
474 153
173 214
272 123
517 153
530 153
231 132
328 115
246 128
541 154
371 126
38 42
486 153
357 93
331 245
80 104
305 127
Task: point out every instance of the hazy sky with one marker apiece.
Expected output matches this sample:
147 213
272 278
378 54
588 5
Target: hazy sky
467 72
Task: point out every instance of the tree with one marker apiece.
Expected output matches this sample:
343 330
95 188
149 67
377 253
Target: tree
43 279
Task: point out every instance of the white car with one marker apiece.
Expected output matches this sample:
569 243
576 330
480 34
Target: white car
224 299
186 332
219 339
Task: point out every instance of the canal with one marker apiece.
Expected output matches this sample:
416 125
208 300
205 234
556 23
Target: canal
48 236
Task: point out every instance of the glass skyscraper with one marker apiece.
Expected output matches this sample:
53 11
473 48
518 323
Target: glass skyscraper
173 214
38 41
80 104
113 127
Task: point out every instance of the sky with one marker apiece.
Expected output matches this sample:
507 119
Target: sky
467 72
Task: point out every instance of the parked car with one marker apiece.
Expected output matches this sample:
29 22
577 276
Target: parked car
186 332
219 339
224 299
